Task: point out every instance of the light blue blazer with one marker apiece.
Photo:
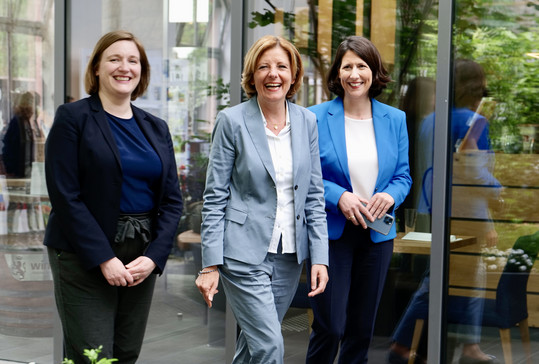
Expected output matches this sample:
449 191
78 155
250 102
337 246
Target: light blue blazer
393 168
240 198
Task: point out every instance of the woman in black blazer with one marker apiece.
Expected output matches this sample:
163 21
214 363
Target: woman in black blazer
113 185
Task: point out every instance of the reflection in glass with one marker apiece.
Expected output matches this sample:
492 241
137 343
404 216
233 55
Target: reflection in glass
494 195
499 35
26 74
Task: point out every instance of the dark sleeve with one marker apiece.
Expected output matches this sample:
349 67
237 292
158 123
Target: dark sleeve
11 147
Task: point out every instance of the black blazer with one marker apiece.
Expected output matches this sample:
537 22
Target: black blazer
84 180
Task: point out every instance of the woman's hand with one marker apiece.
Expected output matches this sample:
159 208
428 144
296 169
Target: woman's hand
115 273
319 279
380 204
352 206
207 284
140 269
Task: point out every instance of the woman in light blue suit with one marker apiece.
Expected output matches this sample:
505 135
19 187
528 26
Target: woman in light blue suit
364 154
263 211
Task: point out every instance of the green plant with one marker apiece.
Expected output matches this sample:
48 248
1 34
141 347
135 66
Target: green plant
512 73
93 355
196 179
221 90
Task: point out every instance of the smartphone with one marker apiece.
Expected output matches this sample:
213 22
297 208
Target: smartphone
381 225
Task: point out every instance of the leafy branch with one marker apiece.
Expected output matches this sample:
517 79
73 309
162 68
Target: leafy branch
93 355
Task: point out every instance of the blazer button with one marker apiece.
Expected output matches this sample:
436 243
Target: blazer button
297 217
296 187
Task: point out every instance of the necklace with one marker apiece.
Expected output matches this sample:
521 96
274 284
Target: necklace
275 126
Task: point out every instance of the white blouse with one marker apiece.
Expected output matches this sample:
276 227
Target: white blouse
362 155
280 147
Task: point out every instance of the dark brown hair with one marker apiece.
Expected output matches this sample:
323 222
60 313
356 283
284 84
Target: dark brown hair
470 83
256 51
365 50
91 81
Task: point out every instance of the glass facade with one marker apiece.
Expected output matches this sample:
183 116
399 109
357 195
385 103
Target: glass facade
26 109
494 180
463 280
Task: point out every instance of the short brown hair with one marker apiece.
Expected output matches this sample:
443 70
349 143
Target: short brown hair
256 51
365 50
470 83
91 80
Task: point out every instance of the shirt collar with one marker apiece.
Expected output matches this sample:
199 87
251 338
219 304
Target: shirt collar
287 121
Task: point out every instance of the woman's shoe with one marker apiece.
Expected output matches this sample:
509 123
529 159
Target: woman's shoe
394 358
469 360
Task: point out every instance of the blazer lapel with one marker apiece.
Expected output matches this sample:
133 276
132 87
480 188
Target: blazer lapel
255 127
101 120
380 123
337 133
298 133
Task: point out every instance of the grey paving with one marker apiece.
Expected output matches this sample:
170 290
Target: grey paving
182 330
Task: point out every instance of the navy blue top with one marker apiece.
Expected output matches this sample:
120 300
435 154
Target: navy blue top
141 165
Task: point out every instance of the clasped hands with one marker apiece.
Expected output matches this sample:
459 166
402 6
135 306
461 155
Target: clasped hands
353 206
132 274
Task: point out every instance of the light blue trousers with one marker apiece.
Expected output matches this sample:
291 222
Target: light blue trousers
259 296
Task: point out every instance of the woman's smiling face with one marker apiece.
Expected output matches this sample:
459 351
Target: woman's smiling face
273 76
119 69
355 76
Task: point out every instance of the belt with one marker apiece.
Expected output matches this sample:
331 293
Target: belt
131 225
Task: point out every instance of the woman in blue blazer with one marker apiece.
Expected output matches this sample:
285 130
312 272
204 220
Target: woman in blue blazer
113 185
263 211
364 155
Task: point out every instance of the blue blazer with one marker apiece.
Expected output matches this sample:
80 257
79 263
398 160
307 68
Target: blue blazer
393 168
240 198
84 181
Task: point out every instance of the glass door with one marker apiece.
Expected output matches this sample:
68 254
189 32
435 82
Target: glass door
495 179
26 110
405 33
187 43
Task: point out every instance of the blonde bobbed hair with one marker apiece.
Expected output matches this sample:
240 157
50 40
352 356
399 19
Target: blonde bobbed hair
254 54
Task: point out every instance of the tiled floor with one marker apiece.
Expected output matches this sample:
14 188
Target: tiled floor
180 331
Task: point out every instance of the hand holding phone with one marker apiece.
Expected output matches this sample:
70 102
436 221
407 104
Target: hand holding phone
381 225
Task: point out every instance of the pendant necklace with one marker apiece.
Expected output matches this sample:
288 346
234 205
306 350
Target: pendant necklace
276 126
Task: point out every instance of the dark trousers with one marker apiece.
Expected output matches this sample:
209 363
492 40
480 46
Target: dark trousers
345 313
94 313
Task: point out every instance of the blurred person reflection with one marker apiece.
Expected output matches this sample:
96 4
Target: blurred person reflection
22 133
469 135
417 102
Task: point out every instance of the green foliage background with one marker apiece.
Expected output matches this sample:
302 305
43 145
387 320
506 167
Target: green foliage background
500 35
